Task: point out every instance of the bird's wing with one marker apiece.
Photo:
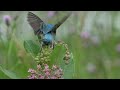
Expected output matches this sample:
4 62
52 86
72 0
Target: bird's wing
35 22
61 22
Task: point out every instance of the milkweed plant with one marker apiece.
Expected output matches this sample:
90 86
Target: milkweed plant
47 54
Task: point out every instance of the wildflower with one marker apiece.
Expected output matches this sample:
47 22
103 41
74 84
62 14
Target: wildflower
60 70
38 67
32 71
43 56
53 77
58 73
85 35
40 76
32 76
67 57
51 13
45 72
7 19
46 66
54 67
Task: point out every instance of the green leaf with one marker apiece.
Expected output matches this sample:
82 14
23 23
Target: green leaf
31 47
57 55
57 58
69 69
9 73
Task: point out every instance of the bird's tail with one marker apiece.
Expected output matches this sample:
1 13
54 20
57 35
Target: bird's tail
61 22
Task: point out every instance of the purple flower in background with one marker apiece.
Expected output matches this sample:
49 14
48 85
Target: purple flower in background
51 13
85 35
7 19
118 48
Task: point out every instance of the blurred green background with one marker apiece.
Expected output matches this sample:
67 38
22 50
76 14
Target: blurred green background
93 38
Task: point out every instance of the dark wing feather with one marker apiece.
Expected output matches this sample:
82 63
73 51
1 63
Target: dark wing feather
35 22
61 22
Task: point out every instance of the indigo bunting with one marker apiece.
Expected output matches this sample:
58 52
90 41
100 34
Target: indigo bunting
45 32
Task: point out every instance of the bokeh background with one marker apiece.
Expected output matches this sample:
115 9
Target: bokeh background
93 37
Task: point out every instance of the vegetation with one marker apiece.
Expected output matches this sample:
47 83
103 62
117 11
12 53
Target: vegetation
87 46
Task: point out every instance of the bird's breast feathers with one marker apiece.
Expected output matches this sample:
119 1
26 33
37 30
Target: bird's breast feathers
48 38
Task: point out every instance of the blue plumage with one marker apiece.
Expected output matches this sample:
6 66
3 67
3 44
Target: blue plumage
47 28
48 38
47 32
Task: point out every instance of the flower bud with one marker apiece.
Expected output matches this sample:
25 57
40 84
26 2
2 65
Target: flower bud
7 19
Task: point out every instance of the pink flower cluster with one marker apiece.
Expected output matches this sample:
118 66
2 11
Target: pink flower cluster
46 73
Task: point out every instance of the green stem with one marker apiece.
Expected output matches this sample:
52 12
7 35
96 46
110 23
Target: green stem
10 40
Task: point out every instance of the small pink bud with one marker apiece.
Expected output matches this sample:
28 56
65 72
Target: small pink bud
32 71
51 13
32 77
41 77
53 77
46 66
7 19
54 67
47 73
38 67
85 35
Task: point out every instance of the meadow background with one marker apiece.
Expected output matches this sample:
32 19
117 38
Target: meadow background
93 38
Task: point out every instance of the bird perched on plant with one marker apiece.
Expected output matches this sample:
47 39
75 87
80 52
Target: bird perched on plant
45 32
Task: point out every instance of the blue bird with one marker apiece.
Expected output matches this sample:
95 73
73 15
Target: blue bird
45 32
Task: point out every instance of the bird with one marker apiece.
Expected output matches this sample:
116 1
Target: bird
46 32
